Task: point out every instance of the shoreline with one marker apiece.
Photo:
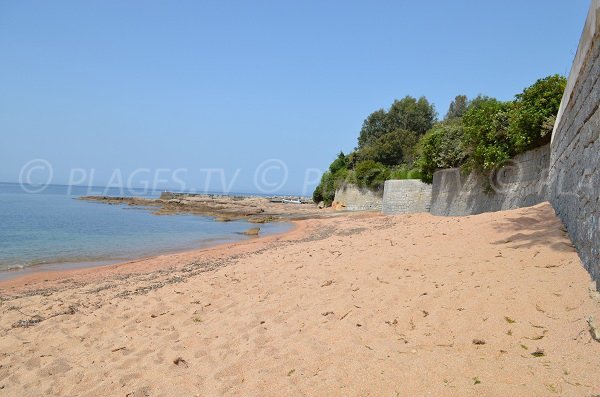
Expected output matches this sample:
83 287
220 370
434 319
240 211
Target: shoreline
63 266
44 279
220 208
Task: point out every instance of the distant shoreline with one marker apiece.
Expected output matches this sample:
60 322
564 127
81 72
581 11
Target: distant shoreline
253 209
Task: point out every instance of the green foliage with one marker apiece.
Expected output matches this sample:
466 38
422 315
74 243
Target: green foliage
404 172
534 113
387 140
332 180
373 127
441 147
411 114
324 191
457 108
371 174
496 131
340 162
477 101
486 134
480 134
416 115
390 149
317 195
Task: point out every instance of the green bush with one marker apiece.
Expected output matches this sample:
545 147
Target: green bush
371 174
329 184
495 131
485 138
441 147
404 172
534 113
479 135
340 162
413 174
332 180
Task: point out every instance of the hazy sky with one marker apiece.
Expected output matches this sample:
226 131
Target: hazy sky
178 90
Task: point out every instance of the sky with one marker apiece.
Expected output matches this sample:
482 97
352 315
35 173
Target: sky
246 96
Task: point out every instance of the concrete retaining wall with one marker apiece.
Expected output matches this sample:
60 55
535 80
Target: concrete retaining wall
566 172
522 183
574 175
406 196
355 198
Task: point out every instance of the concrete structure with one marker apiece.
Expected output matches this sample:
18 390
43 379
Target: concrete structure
521 183
406 196
566 172
574 175
355 198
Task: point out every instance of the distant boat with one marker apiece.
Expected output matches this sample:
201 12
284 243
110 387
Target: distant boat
285 201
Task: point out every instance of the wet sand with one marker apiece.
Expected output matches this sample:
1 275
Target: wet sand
493 304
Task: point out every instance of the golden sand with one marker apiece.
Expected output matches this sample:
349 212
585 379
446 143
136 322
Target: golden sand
494 304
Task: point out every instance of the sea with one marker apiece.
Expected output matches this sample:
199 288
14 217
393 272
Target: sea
52 230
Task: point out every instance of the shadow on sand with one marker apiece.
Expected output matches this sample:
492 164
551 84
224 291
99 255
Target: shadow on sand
542 229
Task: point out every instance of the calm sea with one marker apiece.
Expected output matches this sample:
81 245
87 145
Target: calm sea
52 230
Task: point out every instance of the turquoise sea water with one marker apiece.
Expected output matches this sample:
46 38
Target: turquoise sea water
51 229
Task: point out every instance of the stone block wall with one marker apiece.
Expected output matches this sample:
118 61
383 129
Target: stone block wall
574 174
355 198
406 196
566 172
521 183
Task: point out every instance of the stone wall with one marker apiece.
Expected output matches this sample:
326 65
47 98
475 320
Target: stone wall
406 196
574 175
521 183
355 198
566 172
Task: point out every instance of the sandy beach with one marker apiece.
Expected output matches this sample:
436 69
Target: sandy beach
364 305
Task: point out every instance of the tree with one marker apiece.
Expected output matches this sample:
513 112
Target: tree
411 114
478 100
340 162
373 127
457 107
534 113
392 148
325 191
